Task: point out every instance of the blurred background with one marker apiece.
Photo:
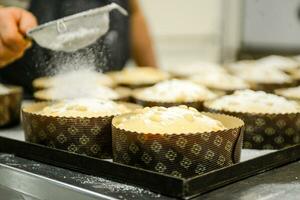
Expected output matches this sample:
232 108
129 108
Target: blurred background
219 30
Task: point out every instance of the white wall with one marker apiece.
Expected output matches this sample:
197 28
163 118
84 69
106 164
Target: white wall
184 30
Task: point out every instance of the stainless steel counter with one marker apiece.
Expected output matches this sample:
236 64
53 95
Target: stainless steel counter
25 179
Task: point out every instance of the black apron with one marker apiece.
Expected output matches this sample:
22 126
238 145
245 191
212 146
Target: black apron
110 52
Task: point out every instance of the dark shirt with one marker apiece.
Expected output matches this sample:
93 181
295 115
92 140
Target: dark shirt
110 52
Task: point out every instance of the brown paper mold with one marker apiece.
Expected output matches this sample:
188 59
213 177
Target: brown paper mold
10 104
124 94
266 131
182 155
82 135
271 87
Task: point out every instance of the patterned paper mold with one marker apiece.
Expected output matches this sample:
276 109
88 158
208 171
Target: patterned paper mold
52 94
182 155
83 135
10 103
266 131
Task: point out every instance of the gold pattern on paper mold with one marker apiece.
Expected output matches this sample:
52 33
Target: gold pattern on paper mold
228 146
171 155
62 120
279 140
221 160
186 162
61 138
249 129
72 130
258 138
209 155
218 140
72 148
205 136
260 122
146 158
156 147
196 148
176 174
160 167
84 121
248 145
133 148
51 128
95 149
84 140
95 130
181 142
281 123
270 131
290 131
200 169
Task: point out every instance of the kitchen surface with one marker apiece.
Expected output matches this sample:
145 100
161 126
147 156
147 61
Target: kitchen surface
140 99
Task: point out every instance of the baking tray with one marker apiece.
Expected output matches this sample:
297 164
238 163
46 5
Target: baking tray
163 184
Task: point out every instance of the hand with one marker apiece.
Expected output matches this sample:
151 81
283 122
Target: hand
14 23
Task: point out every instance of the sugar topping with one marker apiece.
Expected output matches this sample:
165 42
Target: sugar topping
175 91
79 77
84 107
196 68
139 75
173 120
293 92
3 89
255 102
222 81
256 74
78 91
277 62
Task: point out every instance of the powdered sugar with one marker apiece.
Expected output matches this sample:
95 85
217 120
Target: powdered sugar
175 91
220 81
255 102
196 68
277 62
71 41
79 91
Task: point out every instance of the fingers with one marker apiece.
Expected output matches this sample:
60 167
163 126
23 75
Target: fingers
10 35
27 22
14 23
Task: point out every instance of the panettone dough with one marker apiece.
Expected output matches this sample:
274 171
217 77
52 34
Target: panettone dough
172 120
222 81
139 75
255 102
175 91
84 107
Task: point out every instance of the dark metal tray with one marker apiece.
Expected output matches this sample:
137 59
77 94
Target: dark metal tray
164 184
